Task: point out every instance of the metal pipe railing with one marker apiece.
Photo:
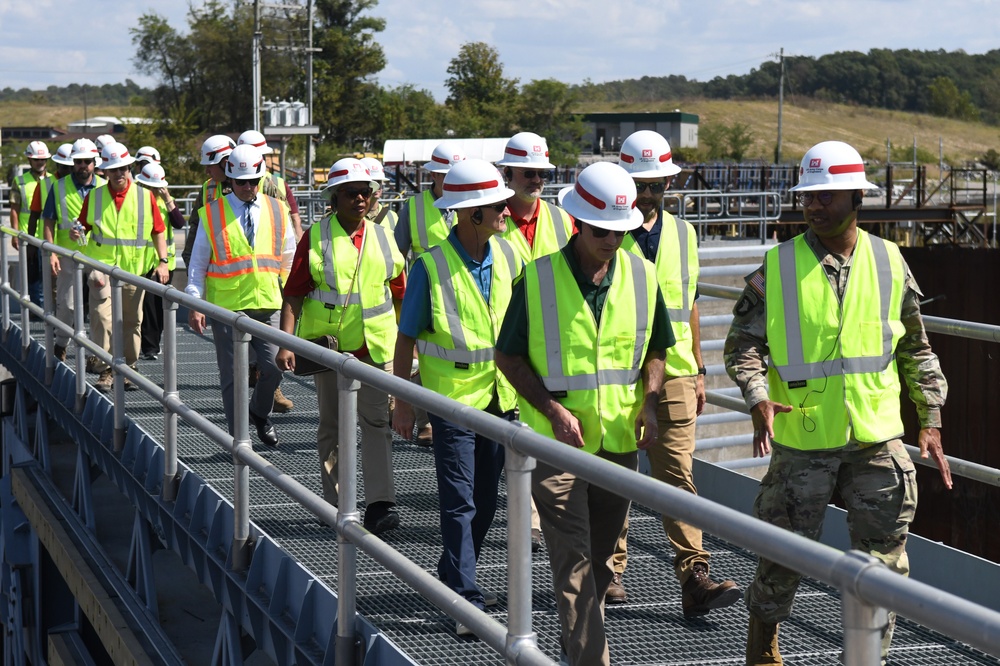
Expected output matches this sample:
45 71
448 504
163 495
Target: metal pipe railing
867 586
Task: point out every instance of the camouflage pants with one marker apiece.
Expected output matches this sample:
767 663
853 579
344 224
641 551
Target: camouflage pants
879 489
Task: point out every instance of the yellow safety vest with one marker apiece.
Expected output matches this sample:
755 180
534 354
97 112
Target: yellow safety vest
834 362
152 258
119 236
69 203
240 277
26 185
456 357
369 318
273 185
593 370
677 274
388 221
210 191
550 236
428 226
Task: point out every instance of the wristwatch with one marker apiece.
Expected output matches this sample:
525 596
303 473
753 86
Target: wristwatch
164 260
702 370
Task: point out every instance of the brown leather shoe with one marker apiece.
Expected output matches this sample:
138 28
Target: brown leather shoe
616 593
91 364
701 594
282 405
762 643
425 437
104 382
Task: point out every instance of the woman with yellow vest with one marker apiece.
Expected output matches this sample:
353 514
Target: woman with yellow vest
838 312
583 343
24 188
239 260
119 219
671 245
345 282
456 298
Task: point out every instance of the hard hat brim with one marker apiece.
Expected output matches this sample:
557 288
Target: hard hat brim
526 165
573 204
328 191
667 171
436 167
833 186
68 161
128 161
446 202
150 183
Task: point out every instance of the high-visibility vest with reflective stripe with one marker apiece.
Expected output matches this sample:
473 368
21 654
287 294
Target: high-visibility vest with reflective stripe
69 203
273 185
552 231
456 357
119 236
210 191
677 274
369 318
388 221
593 370
152 258
26 185
428 226
240 277
834 363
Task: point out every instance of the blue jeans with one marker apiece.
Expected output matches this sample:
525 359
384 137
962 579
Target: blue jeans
468 473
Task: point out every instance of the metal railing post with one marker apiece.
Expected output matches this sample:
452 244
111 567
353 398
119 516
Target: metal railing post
863 623
118 356
170 392
4 296
49 305
81 354
347 552
518 468
240 556
22 269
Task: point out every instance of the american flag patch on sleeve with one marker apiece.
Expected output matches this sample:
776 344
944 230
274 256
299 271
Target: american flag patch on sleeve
756 282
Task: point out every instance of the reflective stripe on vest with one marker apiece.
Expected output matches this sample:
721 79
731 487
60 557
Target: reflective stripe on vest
223 264
69 203
555 379
96 214
425 220
552 231
331 297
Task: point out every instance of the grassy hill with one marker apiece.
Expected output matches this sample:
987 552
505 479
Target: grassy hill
23 114
807 122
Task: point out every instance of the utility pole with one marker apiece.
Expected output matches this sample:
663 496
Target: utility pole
257 39
781 103
309 101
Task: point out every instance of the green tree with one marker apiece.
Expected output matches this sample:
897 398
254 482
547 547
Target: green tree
545 107
945 99
727 141
481 97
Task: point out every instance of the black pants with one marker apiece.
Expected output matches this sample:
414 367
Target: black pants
152 319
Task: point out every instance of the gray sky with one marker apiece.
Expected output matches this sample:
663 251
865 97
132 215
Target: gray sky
569 40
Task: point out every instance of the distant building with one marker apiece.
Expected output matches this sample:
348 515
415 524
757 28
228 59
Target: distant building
30 133
606 131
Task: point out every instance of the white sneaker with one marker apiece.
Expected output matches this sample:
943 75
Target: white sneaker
463 630
489 598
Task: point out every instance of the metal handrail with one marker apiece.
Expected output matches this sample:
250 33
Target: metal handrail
866 585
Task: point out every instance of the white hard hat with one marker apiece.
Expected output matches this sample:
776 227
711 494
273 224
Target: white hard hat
245 163
347 170
84 149
64 155
832 165
471 183
446 155
216 148
147 154
646 154
526 149
375 169
102 141
604 196
562 194
115 155
255 139
152 175
37 150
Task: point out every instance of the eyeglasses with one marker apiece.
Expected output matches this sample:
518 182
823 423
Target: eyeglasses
536 173
116 170
824 198
654 188
597 232
82 161
353 193
246 182
498 207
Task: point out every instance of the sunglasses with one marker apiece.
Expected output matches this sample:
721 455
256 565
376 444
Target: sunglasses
824 198
116 170
498 207
81 161
654 188
597 232
246 182
536 173
353 193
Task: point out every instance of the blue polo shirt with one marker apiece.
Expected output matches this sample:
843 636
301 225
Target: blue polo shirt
415 313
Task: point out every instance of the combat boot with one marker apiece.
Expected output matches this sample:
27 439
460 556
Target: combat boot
282 405
762 643
701 594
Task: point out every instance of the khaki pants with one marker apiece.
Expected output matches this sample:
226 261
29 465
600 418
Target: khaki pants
581 523
671 461
100 317
376 437
65 299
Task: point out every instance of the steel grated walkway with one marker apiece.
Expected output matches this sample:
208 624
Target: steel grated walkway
650 629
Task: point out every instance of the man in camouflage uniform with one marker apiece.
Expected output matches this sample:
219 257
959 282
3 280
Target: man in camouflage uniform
820 398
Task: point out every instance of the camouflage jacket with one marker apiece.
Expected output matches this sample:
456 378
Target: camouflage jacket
746 345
